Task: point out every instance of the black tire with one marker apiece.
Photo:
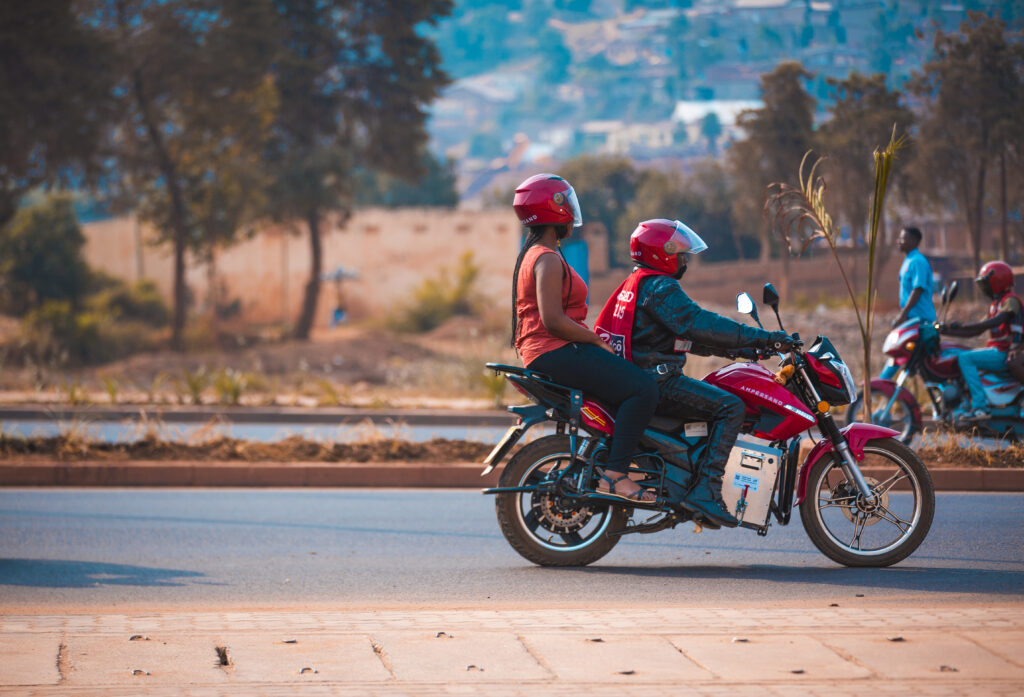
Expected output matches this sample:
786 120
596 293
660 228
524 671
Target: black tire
833 512
900 418
532 522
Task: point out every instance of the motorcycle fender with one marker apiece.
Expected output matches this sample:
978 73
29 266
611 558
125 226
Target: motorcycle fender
529 416
887 386
856 435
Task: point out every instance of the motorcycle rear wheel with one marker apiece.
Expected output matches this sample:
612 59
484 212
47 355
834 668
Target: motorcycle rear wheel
899 418
547 529
880 532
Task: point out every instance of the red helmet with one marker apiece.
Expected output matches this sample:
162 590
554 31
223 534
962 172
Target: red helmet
995 278
658 243
547 199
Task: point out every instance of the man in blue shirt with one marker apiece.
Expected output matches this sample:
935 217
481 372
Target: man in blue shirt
915 290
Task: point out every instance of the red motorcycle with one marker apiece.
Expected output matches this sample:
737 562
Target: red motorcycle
915 350
865 499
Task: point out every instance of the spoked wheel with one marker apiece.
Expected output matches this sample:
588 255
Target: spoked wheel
547 528
876 531
898 417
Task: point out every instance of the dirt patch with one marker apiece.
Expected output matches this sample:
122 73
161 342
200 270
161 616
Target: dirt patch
70 447
293 449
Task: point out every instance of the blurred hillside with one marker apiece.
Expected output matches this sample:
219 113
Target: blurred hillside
537 81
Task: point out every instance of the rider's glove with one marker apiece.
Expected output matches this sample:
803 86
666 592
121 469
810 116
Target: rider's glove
948 326
779 341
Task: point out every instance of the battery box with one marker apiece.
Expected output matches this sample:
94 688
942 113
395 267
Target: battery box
749 480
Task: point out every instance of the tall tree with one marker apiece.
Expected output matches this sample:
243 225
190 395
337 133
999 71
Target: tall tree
355 77
194 99
863 114
55 101
970 90
605 186
702 200
777 136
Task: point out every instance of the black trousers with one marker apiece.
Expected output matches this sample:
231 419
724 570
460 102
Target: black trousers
613 381
686 398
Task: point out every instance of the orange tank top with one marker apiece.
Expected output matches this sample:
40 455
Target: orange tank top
532 337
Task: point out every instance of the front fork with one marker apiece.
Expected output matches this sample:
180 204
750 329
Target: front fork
828 427
849 463
901 378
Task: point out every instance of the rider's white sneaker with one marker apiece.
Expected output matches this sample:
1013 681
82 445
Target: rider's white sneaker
977 415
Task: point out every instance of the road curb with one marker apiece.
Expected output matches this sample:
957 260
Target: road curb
353 474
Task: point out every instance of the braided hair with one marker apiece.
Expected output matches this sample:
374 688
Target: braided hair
533 235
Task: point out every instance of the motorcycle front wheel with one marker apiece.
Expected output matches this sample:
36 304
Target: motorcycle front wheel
899 417
546 528
880 530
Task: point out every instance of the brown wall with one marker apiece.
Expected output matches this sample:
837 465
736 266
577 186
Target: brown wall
392 251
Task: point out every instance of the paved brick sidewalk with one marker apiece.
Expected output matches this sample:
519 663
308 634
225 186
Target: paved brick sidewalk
885 650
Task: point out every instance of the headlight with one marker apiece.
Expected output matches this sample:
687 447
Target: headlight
851 386
892 340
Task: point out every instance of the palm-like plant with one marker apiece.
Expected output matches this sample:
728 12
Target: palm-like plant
798 214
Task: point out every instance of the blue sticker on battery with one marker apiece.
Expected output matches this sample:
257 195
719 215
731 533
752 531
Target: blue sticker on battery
741 480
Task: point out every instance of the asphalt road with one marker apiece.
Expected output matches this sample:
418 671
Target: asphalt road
205 549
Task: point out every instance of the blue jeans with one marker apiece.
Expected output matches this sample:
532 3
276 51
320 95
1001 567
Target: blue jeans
615 382
989 359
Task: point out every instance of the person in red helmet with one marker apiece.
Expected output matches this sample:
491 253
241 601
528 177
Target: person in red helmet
1006 326
548 330
652 322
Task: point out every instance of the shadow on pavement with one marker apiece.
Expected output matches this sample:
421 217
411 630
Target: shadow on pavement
907 578
59 573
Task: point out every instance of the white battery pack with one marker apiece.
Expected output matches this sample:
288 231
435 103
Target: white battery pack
749 479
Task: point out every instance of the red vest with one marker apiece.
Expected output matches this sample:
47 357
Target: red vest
1009 333
615 323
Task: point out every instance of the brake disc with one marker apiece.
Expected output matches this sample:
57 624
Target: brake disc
863 508
558 515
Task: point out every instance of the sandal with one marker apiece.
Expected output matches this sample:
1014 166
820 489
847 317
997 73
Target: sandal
638 496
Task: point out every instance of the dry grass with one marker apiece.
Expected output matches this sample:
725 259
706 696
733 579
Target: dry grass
959 451
71 446
154 442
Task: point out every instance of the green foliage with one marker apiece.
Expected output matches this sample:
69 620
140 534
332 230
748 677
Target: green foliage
973 94
195 111
194 383
73 393
41 257
778 135
56 105
56 332
494 385
605 186
112 387
140 302
435 188
800 212
229 384
862 117
354 87
438 299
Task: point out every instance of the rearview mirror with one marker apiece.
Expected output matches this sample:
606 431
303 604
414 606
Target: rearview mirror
943 295
953 288
771 298
744 303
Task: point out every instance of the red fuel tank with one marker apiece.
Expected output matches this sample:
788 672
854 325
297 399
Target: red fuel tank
777 412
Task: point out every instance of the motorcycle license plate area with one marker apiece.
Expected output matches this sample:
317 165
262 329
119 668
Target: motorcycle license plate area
749 480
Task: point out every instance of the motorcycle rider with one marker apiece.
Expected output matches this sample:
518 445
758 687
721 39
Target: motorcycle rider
1006 325
651 321
549 306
